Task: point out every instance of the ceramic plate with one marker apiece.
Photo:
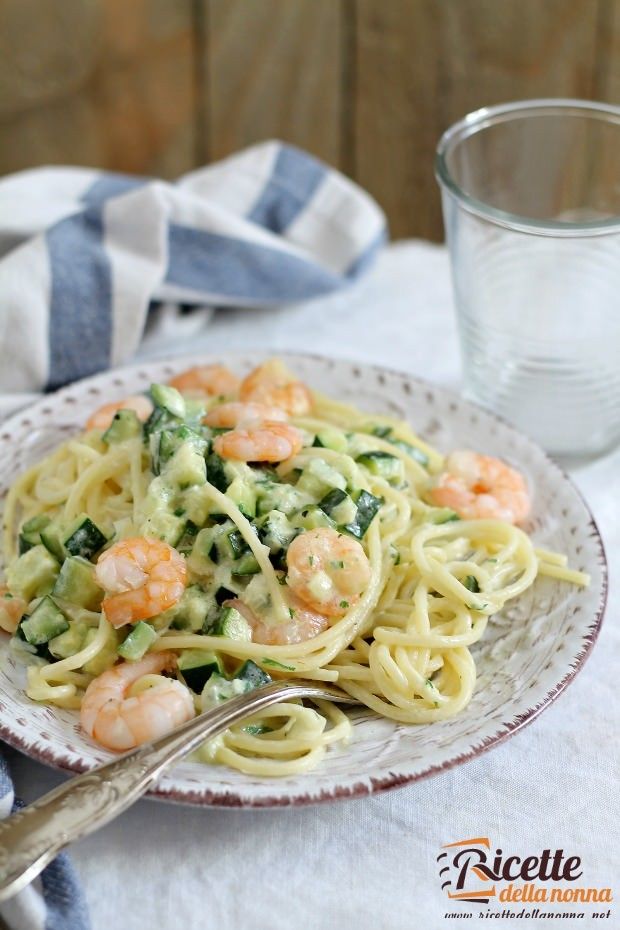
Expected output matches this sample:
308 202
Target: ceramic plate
529 654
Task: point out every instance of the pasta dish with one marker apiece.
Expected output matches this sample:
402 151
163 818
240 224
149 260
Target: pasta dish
217 533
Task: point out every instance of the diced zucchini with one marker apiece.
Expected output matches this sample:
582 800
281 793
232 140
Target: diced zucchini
367 508
216 473
165 526
229 543
276 531
26 649
186 543
160 495
141 637
283 497
51 537
219 689
187 467
44 623
33 574
192 611
125 425
253 675
71 641
206 540
30 534
168 398
195 410
331 500
76 583
318 479
232 624
84 538
382 464
243 494
237 545
167 442
158 420
246 565
331 438
339 506
197 666
195 503
209 546
345 512
313 517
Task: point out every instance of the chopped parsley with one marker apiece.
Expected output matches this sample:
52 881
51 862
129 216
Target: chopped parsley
337 563
344 604
274 664
471 583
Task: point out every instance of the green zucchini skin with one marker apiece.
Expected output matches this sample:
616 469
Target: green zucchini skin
85 538
44 623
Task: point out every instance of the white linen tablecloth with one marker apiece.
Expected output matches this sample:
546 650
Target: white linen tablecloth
370 864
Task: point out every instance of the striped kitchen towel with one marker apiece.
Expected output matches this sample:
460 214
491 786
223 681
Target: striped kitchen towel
52 902
84 253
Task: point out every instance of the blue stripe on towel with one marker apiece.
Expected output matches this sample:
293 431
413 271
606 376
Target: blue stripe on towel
80 321
225 267
64 901
6 785
294 179
111 185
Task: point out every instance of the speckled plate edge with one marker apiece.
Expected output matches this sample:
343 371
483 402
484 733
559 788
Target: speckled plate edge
117 383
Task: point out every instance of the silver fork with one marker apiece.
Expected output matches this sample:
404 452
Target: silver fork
32 837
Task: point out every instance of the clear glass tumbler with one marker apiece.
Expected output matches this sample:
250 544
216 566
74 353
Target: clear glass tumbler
531 201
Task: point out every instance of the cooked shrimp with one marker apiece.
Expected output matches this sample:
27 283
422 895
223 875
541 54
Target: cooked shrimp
304 624
102 418
327 570
271 441
120 721
272 383
12 609
141 577
480 487
234 414
206 379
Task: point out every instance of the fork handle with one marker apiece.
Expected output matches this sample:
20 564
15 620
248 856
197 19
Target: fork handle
33 836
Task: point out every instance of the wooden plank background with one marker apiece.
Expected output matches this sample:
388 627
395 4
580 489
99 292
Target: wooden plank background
160 86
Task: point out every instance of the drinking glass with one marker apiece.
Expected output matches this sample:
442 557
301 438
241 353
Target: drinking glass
531 201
